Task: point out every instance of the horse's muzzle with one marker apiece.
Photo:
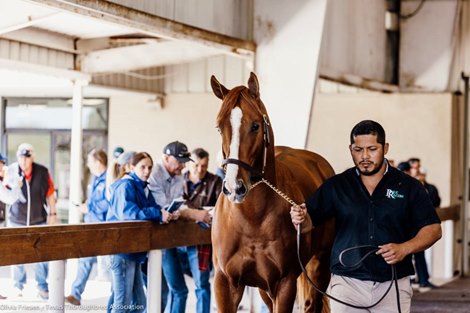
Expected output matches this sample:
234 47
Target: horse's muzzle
236 195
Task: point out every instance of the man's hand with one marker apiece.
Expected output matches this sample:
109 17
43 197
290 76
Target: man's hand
393 252
299 216
83 208
197 215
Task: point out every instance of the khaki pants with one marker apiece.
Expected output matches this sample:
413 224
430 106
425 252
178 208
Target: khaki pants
365 293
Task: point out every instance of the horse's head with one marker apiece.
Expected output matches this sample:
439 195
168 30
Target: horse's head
247 138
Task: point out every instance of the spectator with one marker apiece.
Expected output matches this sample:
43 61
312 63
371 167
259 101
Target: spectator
415 164
30 209
201 192
117 152
132 200
167 184
420 258
431 189
8 195
95 210
117 169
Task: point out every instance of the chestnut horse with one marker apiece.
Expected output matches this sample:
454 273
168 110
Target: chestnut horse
254 240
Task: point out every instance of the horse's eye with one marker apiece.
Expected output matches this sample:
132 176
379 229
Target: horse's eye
254 127
219 130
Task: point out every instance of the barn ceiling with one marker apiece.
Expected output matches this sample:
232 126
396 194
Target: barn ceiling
84 38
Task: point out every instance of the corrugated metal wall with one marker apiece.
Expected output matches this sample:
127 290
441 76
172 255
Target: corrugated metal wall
195 77
148 80
229 17
23 52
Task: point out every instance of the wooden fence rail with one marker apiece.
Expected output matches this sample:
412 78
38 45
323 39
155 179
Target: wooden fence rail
59 242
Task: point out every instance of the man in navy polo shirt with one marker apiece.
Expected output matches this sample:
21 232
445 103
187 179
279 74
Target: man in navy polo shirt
375 205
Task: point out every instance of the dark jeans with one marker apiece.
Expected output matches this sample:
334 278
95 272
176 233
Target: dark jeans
421 268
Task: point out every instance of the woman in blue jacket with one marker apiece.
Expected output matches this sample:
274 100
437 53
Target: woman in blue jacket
132 200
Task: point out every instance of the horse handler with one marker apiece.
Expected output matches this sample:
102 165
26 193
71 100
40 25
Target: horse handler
377 208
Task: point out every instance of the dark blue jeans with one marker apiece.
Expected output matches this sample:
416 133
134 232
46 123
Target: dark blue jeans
175 263
421 268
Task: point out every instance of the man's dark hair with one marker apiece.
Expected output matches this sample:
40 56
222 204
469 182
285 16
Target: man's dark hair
413 160
368 127
200 153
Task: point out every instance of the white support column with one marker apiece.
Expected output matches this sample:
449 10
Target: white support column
76 152
289 35
154 281
56 286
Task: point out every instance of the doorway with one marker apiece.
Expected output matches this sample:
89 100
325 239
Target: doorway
24 122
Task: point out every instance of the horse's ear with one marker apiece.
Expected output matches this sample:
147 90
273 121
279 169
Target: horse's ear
253 85
219 90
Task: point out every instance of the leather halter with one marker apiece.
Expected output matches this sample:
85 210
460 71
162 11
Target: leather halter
267 142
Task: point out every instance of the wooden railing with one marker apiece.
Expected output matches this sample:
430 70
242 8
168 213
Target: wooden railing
60 242
47 243
451 212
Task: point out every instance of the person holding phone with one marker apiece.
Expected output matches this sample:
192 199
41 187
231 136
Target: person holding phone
167 184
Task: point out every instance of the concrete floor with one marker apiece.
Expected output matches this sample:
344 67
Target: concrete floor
94 298
453 297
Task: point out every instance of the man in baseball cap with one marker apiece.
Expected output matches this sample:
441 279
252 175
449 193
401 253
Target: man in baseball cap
167 184
39 192
178 150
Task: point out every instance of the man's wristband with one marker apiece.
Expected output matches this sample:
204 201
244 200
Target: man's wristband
52 214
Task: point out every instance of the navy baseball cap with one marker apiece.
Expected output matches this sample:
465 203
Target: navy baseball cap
178 150
3 159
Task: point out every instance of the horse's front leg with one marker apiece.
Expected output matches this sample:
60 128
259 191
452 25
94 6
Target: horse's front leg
227 296
285 296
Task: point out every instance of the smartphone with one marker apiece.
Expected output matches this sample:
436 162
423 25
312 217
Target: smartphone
203 225
174 205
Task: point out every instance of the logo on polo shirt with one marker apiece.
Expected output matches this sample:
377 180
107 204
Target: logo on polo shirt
393 194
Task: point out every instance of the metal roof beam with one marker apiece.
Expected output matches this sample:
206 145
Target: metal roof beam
135 57
42 38
153 25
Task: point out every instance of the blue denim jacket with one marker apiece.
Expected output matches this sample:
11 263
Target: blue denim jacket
97 203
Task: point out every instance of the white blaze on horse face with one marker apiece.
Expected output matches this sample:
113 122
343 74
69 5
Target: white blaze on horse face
232 169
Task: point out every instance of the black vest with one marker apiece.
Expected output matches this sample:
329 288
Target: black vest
39 185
